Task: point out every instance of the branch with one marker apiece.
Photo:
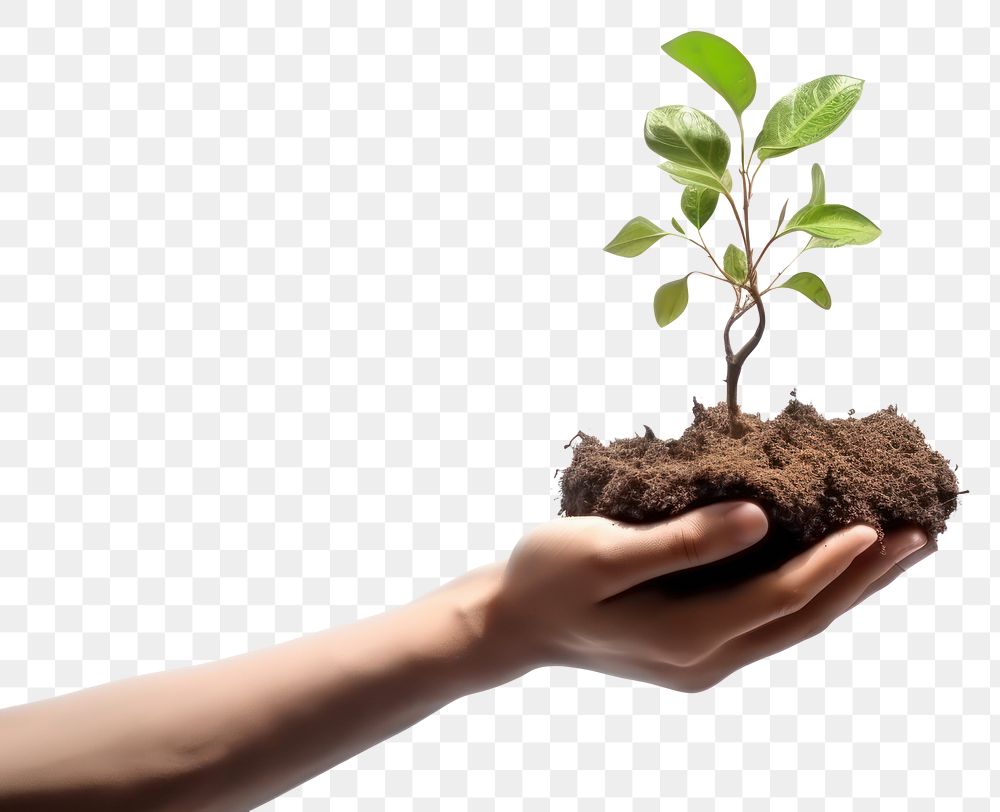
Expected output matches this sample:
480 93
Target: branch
736 214
743 311
758 334
727 343
708 251
763 250
789 265
711 276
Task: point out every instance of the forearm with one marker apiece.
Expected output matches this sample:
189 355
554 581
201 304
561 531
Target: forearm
274 718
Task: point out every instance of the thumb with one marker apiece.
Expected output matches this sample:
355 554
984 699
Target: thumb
636 553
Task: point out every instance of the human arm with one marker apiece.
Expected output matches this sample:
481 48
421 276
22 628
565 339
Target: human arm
233 734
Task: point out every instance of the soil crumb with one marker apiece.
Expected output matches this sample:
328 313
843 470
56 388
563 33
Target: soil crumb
810 474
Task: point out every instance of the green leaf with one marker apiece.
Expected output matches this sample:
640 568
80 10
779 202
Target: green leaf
695 147
695 179
719 63
835 224
676 225
698 204
636 236
781 217
818 197
670 301
808 114
820 242
734 264
810 286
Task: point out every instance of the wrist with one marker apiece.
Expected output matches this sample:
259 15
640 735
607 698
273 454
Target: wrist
495 648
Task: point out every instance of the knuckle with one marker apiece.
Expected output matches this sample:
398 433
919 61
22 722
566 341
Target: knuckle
687 655
789 598
687 534
697 681
600 557
816 627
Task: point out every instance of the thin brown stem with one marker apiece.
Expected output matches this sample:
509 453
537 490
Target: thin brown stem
708 252
763 250
743 160
736 214
711 276
789 265
751 267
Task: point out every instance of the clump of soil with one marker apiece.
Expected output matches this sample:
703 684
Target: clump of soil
811 476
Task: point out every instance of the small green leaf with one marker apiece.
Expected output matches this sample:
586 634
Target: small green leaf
670 301
806 115
676 225
636 236
734 263
719 63
698 204
810 286
695 147
835 224
818 197
781 217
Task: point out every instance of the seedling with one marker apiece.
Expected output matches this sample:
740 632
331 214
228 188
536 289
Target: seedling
696 152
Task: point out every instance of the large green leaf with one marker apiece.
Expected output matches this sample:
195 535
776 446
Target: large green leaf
810 286
695 147
808 114
636 236
719 63
734 264
698 204
670 301
835 224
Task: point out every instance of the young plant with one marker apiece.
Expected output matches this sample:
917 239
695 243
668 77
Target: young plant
696 153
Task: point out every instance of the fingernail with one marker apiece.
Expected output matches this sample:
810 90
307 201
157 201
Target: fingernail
909 560
868 538
859 536
910 543
721 509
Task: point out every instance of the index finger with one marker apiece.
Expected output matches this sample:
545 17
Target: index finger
631 554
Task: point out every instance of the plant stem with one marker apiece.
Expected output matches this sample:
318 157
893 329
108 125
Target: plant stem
743 311
736 214
734 363
789 265
711 276
708 251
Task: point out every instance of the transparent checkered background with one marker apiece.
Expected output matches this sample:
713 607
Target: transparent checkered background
298 306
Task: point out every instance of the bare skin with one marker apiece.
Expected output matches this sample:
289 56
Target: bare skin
233 734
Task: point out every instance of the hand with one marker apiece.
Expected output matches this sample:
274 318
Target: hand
573 592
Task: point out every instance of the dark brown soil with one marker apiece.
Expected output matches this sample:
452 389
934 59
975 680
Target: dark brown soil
810 474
